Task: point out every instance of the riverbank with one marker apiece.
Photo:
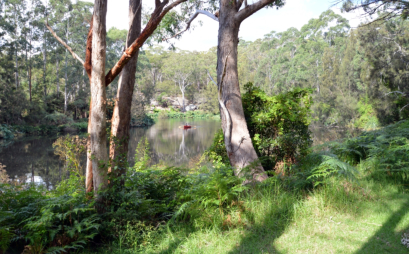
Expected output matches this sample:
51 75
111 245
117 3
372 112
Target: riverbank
176 114
349 197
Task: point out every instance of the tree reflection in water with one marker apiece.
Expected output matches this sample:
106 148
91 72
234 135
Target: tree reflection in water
32 160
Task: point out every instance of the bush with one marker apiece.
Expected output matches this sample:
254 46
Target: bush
278 125
6 132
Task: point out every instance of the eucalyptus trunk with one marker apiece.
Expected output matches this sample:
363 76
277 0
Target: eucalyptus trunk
238 143
121 118
16 72
66 84
98 135
57 67
45 66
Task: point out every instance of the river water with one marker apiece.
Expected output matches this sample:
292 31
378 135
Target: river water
33 159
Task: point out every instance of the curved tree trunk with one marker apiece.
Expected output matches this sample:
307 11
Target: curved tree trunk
98 135
121 118
239 146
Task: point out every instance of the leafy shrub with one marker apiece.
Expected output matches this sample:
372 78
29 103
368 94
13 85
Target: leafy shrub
211 196
57 118
6 131
316 168
278 125
368 119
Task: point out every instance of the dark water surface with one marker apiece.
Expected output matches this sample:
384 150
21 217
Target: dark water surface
33 159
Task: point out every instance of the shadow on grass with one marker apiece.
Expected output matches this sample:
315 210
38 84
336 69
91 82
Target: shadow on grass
260 237
386 239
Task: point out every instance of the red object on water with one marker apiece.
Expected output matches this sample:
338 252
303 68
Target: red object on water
185 127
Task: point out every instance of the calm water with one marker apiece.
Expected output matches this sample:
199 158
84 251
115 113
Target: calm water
32 159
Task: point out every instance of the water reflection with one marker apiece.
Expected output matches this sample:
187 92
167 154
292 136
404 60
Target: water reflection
33 160
173 146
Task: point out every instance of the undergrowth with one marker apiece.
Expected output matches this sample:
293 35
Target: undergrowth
359 185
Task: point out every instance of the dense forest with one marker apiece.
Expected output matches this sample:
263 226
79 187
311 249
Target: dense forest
358 75
259 185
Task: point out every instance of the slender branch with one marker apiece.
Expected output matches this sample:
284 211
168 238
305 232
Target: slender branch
399 92
64 44
193 17
214 82
403 107
250 9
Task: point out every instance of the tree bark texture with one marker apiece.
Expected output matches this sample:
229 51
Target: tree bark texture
57 67
121 118
241 148
45 66
98 135
88 67
66 84
16 73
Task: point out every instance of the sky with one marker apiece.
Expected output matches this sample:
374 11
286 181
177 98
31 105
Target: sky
295 13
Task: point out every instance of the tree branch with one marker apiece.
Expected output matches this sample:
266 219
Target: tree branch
75 56
156 17
210 15
250 9
403 107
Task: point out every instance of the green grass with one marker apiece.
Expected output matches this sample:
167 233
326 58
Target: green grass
342 217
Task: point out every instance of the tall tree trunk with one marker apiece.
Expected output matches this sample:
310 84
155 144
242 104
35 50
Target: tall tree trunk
183 101
29 80
57 67
98 135
45 66
88 68
66 75
237 138
121 118
66 84
16 72
28 63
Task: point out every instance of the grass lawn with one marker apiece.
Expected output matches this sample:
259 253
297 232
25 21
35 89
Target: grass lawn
365 217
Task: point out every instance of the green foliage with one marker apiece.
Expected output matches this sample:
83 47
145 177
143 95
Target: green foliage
51 221
142 156
212 195
6 132
63 223
57 118
72 150
278 125
317 168
178 114
380 151
368 119
217 153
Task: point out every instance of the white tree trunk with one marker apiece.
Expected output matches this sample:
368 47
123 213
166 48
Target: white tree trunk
98 135
57 65
66 84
